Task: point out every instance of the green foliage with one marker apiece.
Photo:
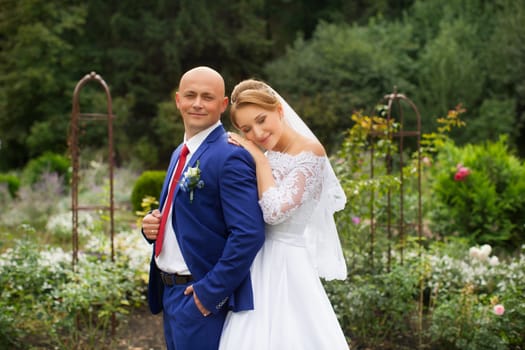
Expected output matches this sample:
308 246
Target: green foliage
37 60
369 171
168 129
44 302
487 205
448 73
439 298
44 299
140 50
45 164
149 183
504 45
33 205
12 182
329 59
466 322
463 294
347 67
462 45
496 117
439 55
375 309
148 203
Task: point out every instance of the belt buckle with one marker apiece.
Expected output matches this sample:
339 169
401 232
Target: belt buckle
171 279
166 278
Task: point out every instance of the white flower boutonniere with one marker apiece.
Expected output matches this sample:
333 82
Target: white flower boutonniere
192 180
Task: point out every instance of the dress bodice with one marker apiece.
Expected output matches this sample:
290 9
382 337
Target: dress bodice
288 206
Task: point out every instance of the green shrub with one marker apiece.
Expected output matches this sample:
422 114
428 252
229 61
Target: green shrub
12 182
485 203
46 302
47 163
375 310
443 297
149 183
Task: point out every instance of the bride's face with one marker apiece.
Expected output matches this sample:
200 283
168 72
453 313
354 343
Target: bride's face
261 126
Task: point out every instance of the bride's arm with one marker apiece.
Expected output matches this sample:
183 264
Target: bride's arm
278 202
297 187
263 170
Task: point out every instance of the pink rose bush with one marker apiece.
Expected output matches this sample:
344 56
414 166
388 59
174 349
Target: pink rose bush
462 173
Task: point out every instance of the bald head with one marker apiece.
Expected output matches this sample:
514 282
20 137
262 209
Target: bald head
204 73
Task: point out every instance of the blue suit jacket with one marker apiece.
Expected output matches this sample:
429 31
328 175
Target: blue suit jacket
221 230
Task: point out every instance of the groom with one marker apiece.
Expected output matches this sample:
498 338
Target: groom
210 227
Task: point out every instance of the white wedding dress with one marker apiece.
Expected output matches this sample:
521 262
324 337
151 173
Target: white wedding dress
292 310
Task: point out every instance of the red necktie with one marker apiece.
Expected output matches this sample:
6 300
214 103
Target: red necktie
167 205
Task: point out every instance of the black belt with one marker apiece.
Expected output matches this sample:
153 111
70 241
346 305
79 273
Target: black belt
169 279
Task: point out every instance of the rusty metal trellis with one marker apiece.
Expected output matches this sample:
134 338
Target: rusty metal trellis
391 99
401 225
74 147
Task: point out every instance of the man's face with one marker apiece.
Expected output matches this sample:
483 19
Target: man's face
200 100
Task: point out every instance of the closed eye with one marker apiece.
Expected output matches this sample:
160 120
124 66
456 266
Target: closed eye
260 119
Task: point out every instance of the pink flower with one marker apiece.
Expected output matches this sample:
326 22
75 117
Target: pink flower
499 309
356 220
462 173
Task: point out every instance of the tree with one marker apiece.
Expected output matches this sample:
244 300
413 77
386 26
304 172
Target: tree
35 59
341 69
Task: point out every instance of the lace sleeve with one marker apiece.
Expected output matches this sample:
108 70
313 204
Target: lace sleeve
293 188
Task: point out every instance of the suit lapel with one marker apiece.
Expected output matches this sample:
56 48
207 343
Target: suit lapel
212 137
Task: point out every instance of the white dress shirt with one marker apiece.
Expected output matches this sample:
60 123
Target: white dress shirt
170 258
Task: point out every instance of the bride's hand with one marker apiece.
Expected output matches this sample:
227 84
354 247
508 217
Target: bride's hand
238 140
235 139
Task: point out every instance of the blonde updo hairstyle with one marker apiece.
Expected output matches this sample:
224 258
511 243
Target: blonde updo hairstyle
252 92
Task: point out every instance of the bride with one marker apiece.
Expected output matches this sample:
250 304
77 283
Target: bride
298 194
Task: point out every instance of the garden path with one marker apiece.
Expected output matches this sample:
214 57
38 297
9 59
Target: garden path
140 330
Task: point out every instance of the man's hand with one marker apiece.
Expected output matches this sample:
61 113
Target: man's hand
150 225
202 309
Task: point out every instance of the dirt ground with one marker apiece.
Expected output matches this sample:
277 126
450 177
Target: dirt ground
140 331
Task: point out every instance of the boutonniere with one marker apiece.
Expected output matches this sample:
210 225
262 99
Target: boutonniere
192 180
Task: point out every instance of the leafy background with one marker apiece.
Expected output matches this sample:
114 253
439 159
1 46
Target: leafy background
460 61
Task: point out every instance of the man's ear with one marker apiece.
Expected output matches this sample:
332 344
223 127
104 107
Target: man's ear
176 98
224 104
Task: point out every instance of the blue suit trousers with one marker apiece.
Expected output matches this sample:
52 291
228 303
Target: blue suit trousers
185 328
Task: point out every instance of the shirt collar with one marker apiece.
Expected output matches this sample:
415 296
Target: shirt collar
194 143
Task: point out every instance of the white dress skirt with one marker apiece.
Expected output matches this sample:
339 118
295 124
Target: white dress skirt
292 310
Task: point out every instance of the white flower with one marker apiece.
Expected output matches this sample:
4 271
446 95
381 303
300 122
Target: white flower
474 252
493 261
192 180
192 172
485 252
